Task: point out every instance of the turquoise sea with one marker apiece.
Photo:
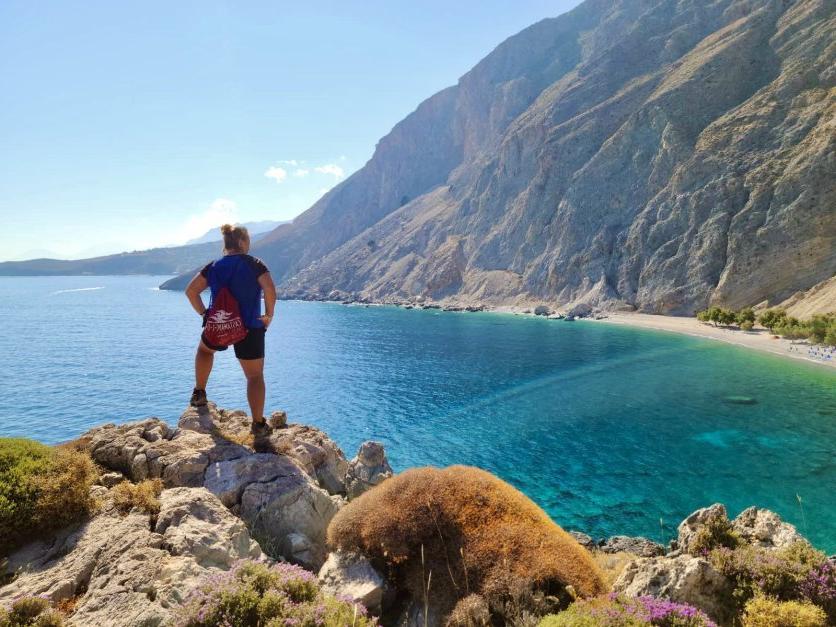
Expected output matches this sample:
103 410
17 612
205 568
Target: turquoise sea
610 429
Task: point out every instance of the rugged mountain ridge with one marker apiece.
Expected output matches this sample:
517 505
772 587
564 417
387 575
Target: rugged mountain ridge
678 154
645 154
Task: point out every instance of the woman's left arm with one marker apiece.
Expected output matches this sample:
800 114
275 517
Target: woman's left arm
266 283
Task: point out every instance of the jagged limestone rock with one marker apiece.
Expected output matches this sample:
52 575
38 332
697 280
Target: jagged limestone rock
684 579
765 528
350 575
133 570
368 469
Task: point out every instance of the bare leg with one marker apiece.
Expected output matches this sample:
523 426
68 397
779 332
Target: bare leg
254 371
203 360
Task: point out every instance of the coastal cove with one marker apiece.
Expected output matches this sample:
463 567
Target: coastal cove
609 428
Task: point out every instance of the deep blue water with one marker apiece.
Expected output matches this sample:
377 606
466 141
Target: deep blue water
610 429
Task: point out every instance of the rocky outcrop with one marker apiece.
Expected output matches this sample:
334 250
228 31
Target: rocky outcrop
684 579
134 569
286 487
369 468
763 528
689 529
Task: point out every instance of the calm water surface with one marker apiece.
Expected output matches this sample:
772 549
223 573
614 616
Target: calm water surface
610 429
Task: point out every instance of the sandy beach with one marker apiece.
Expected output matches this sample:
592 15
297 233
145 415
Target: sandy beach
758 339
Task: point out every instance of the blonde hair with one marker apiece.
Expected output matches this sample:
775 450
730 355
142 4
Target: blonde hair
234 236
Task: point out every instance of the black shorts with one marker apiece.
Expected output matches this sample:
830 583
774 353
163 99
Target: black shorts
251 347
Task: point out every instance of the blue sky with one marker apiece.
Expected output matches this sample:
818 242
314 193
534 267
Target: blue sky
128 125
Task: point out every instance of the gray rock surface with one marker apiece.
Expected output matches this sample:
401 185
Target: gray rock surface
684 579
287 483
764 528
635 545
132 570
690 527
368 469
352 576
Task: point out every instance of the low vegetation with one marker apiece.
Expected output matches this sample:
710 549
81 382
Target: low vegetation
447 534
765 612
797 572
715 532
620 611
30 612
42 489
820 329
143 496
255 595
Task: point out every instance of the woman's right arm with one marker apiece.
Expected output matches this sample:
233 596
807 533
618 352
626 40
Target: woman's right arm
193 291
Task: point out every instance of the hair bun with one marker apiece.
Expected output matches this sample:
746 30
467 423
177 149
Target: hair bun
227 228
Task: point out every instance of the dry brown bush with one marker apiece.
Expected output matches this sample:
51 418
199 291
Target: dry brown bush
478 534
143 496
611 564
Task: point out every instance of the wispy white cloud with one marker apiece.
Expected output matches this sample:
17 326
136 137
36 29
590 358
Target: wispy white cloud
332 169
221 211
292 162
276 173
301 172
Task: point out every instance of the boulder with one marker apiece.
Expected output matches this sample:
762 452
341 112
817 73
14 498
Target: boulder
581 310
765 528
288 504
691 526
127 567
350 575
368 469
635 545
542 310
683 579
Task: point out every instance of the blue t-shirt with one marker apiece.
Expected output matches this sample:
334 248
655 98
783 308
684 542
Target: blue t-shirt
240 274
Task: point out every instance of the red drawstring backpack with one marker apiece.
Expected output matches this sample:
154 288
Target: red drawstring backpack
224 325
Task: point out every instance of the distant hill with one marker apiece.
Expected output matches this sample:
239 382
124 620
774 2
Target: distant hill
172 260
255 228
643 154
165 260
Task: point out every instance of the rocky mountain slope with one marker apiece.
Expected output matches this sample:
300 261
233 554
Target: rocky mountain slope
642 153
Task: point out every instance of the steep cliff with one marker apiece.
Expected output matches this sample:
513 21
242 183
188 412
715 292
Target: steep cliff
661 155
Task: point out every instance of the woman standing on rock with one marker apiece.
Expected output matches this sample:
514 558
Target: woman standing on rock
234 316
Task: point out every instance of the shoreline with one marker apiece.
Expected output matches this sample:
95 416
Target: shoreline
759 339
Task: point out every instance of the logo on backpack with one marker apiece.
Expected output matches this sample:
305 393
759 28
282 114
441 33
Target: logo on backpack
224 325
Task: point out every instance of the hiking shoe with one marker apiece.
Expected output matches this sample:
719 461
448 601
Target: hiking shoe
198 398
260 428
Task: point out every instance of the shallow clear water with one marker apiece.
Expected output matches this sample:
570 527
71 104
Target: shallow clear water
610 429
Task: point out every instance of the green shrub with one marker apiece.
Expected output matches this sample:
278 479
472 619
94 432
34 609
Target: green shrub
747 325
765 612
780 573
30 612
746 315
772 318
41 489
716 531
621 611
254 595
